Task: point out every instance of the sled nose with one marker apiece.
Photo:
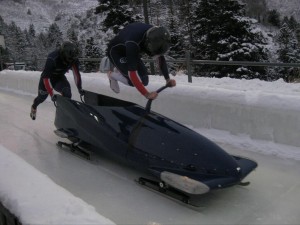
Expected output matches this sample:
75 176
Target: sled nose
184 183
246 166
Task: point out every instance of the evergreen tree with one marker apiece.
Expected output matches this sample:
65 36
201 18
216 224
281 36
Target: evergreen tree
274 18
32 31
289 51
297 32
5 54
41 51
293 24
222 32
2 26
54 37
91 51
31 48
256 9
185 16
177 47
16 42
118 14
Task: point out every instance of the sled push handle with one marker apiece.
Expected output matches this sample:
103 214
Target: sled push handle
148 106
55 97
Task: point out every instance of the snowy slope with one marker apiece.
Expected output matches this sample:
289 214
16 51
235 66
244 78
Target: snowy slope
43 13
286 7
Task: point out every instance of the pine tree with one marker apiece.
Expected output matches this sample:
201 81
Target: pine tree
32 30
185 16
177 46
297 32
54 37
290 22
256 9
118 14
16 42
91 51
5 53
274 18
289 51
31 55
222 32
2 26
41 50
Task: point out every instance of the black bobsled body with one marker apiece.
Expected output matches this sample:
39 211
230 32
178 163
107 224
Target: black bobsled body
173 153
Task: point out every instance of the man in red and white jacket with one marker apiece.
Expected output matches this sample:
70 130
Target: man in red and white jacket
53 76
124 52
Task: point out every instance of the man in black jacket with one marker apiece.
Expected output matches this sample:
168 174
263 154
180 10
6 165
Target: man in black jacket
53 76
124 52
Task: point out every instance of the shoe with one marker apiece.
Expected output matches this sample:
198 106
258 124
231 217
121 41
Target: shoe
33 113
114 85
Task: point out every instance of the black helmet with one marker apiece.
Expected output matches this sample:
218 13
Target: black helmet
69 51
157 41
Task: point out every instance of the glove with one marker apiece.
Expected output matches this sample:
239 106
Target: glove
81 92
54 98
171 83
151 95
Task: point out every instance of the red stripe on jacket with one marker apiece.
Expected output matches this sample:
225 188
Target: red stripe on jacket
48 86
77 76
135 79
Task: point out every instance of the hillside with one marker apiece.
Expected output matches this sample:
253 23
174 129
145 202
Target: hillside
42 13
286 7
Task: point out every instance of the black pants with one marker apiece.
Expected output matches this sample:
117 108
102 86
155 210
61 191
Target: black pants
60 85
117 57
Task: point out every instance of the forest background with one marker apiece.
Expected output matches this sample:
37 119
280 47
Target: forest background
221 30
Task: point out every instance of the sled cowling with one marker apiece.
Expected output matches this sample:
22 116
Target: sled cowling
167 150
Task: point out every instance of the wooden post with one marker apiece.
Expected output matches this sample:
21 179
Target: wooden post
188 65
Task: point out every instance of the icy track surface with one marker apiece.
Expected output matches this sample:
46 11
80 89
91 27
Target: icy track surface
272 197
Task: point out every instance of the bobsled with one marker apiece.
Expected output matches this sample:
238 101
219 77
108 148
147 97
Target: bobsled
174 156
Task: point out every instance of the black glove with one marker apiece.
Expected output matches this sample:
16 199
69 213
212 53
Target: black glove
53 98
81 92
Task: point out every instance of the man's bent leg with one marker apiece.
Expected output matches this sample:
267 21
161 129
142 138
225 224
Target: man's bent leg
42 96
113 83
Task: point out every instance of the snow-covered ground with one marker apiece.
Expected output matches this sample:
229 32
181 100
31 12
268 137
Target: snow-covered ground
252 118
36 199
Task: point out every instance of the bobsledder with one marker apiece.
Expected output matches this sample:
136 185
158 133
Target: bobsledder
179 160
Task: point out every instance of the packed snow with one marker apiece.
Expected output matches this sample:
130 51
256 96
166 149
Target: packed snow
25 191
263 116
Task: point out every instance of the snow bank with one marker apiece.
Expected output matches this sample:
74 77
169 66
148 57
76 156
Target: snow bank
36 199
263 110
